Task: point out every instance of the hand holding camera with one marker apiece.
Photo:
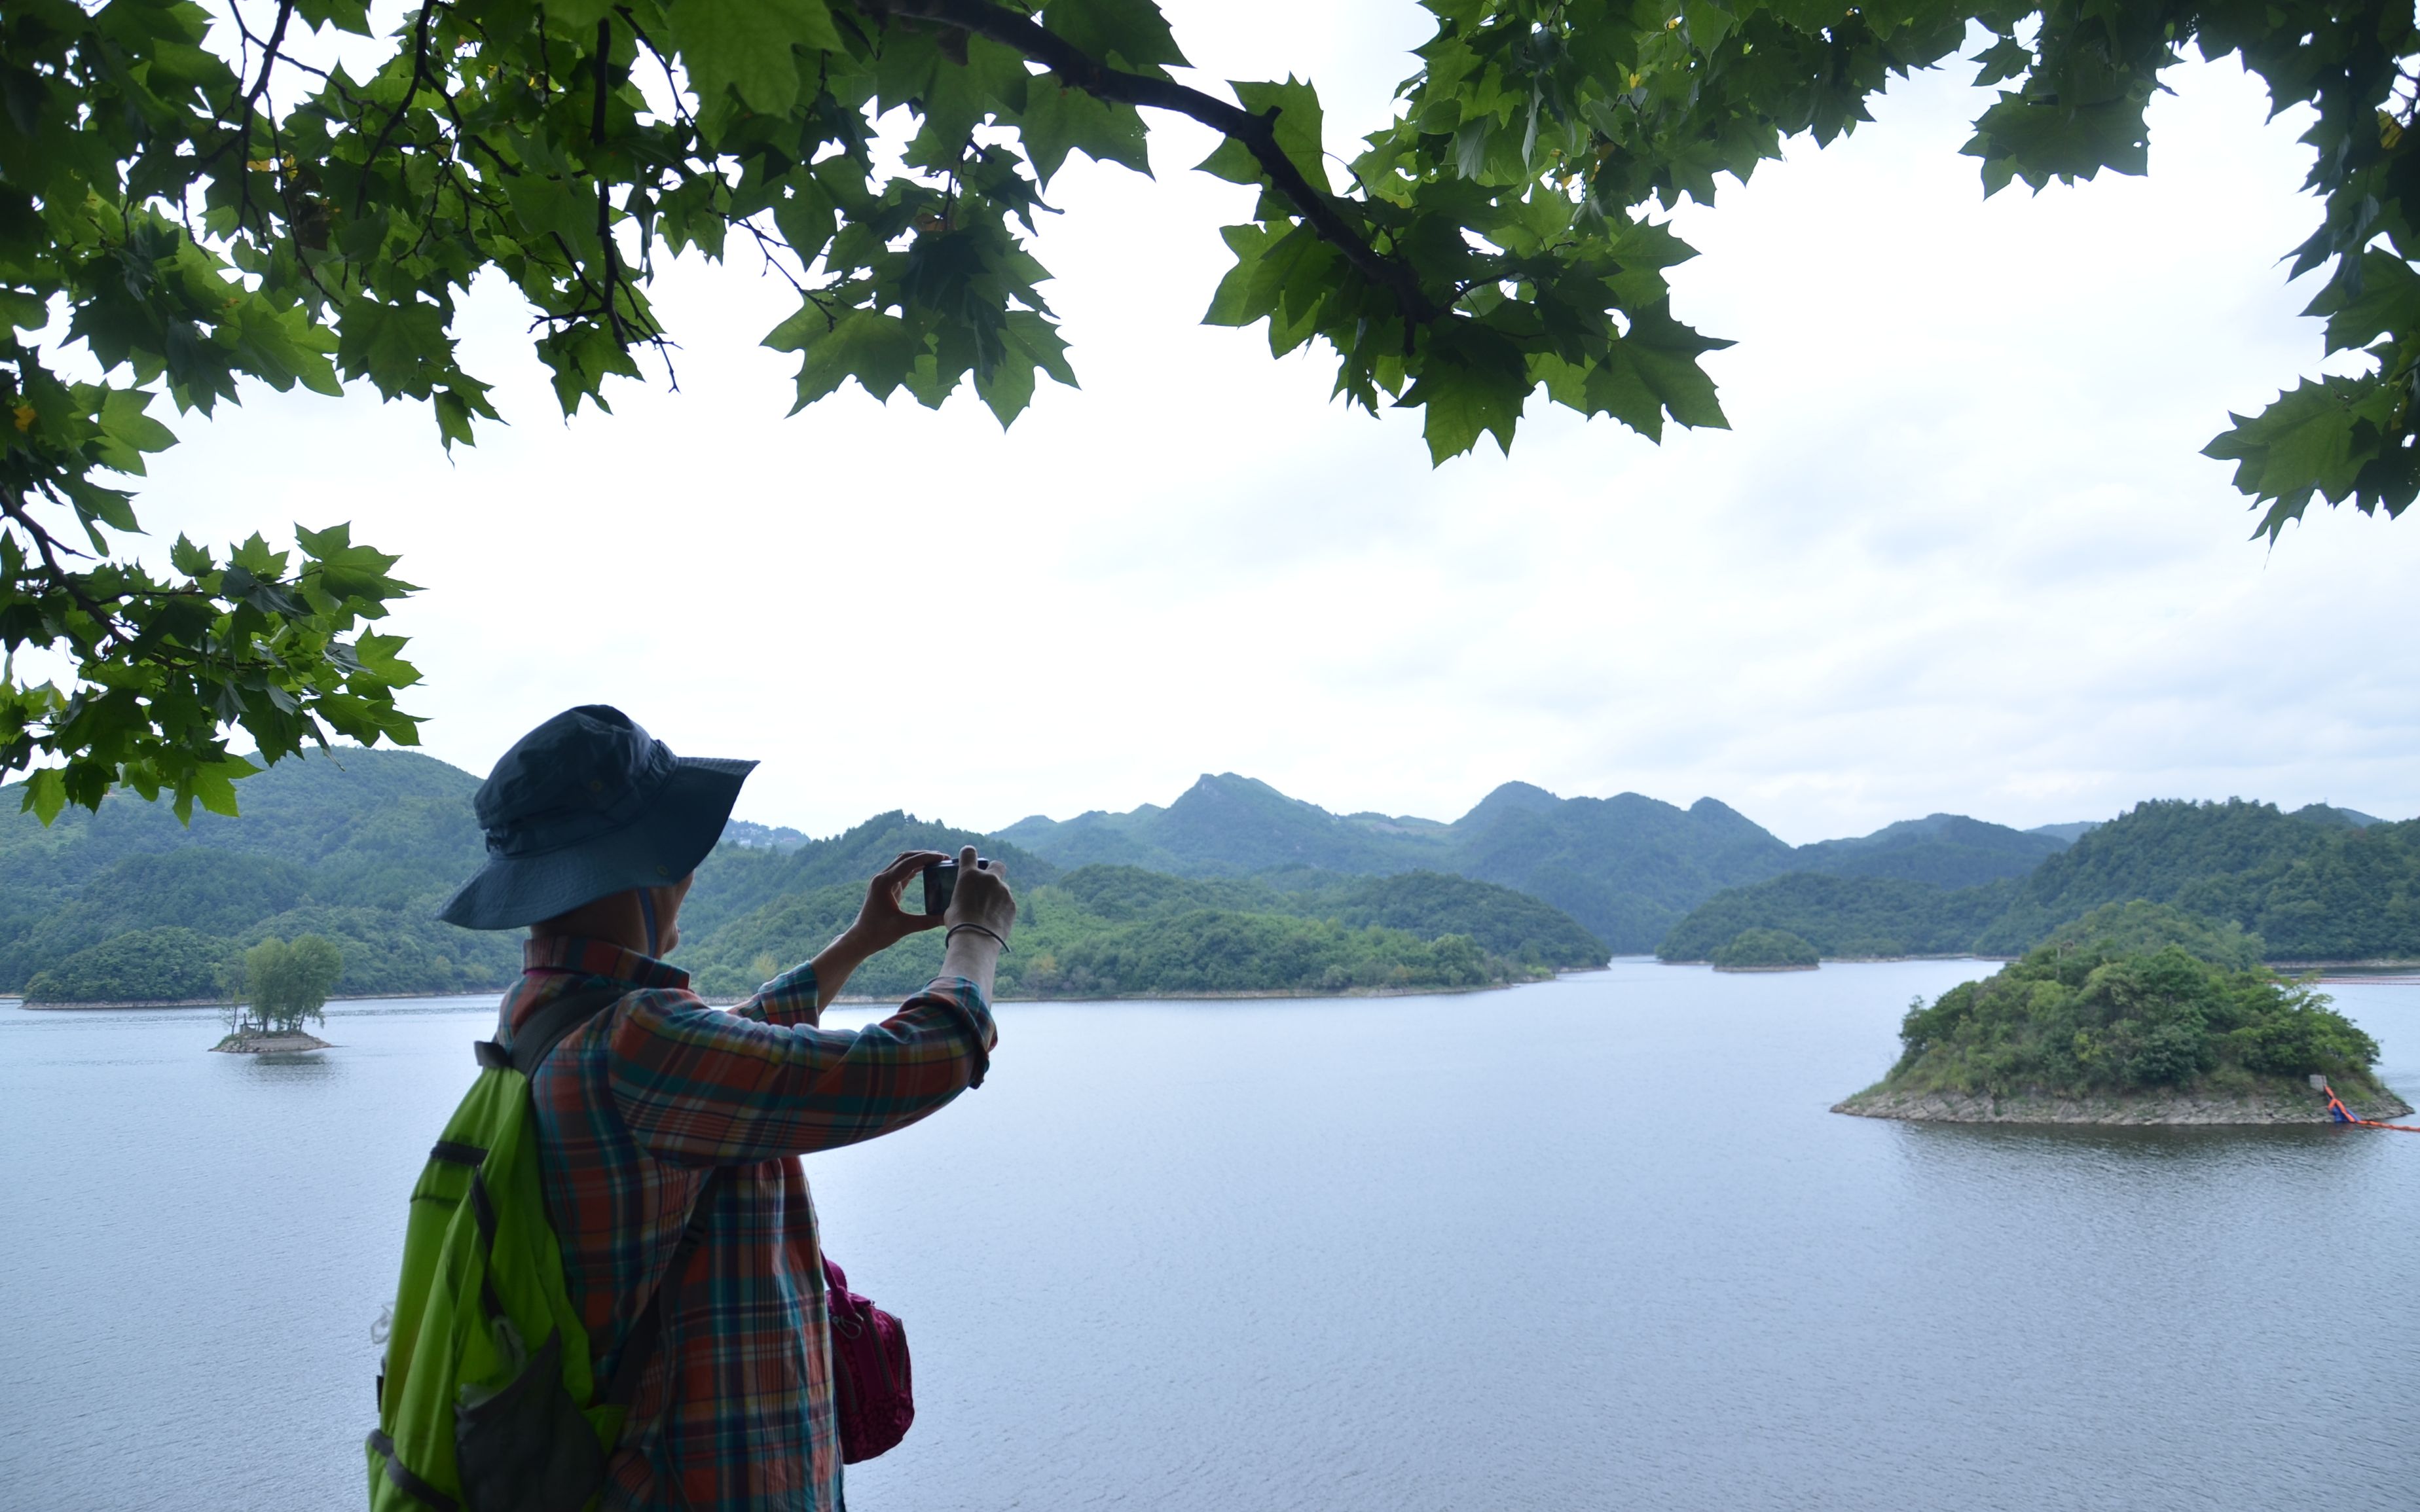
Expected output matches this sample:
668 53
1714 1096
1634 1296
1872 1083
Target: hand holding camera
978 911
972 891
884 922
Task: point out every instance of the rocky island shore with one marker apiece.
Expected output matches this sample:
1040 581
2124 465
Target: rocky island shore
2283 1103
294 1043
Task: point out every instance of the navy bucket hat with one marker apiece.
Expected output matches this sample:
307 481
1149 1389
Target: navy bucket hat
585 806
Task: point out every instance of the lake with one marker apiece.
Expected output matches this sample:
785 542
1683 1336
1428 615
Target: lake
1588 1243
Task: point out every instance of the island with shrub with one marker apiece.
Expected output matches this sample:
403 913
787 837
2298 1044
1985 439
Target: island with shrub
2130 1028
1766 950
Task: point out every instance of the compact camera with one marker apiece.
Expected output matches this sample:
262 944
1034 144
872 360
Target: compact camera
942 884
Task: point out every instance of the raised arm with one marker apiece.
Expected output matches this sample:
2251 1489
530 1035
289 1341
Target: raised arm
702 1086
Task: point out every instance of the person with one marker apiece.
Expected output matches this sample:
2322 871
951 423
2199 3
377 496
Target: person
595 831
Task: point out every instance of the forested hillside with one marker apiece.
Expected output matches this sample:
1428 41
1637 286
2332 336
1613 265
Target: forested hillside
1118 931
1233 888
363 847
1843 918
1627 867
1945 850
357 845
2311 883
2320 883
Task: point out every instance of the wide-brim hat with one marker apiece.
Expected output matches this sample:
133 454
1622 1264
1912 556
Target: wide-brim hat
585 806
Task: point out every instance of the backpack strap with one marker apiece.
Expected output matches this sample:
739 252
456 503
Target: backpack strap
547 1028
535 1040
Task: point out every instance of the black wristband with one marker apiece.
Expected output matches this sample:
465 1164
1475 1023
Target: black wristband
953 928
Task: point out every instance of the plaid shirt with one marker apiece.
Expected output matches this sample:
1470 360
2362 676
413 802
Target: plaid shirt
635 1109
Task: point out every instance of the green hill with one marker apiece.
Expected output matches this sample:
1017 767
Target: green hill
2313 884
363 847
1842 916
1628 867
1766 950
1117 930
357 845
1624 866
1945 850
2140 928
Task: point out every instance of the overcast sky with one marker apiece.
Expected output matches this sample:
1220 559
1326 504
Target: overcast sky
1957 552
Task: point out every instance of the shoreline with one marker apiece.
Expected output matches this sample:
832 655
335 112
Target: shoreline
2272 1104
1832 960
297 1043
862 999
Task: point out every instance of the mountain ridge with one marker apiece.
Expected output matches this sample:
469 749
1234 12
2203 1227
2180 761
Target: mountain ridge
1627 867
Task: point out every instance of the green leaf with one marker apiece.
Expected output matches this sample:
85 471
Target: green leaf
1296 131
1473 383
747 46
45 795
401 348
190 559
213 783
2318 438
2003 60
455 406
2039 141
127 432
1230 305
2386 301
869 345
1130 34
1058 121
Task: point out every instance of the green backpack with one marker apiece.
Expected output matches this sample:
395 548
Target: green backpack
489 1400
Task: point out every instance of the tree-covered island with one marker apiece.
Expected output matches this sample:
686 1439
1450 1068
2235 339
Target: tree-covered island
278 984
1766 950
2113 1032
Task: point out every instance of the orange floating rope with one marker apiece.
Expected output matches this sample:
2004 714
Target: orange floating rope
2341 1114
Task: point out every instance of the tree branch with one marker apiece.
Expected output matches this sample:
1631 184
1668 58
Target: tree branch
604 203
411 88
1257 132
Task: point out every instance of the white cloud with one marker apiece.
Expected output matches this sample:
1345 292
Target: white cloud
1958 553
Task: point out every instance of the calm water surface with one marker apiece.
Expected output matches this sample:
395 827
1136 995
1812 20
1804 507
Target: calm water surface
1592 1244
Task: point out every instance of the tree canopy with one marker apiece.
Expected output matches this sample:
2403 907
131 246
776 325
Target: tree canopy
194 199
2103 1019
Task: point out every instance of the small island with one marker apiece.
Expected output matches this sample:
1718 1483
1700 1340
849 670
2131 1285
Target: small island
1766 950
280 984
2119 1033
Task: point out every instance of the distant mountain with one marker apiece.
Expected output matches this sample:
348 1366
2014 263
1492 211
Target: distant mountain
752 836
361 846
1119 931
2320 813
1851 917
2070 833
2312 885
1225 825
1626 867
1945 850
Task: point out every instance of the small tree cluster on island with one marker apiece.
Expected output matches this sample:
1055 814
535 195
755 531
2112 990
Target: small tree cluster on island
1766 950
280 983
2076 1020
